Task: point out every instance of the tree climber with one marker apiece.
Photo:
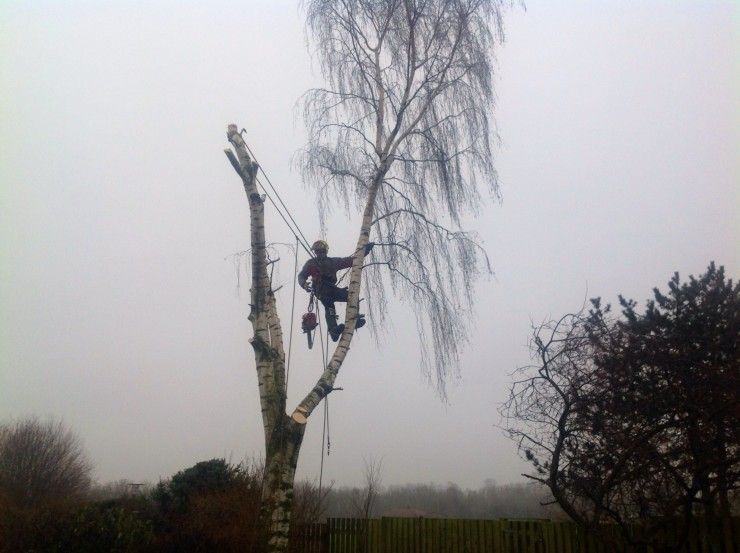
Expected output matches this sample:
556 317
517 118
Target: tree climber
323 273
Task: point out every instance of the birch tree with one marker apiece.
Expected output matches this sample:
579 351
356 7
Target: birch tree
402 132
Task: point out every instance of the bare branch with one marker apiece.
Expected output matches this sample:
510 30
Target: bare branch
409 96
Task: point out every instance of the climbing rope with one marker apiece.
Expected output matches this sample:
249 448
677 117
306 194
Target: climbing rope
324 431
297 231
292 314
323 428
301 240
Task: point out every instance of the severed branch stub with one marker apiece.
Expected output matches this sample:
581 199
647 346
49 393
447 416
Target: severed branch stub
299 416
234 162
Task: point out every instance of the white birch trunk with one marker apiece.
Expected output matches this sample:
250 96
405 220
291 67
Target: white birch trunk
284 434
325 383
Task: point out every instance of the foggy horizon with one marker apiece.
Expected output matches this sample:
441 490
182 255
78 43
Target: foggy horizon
120 215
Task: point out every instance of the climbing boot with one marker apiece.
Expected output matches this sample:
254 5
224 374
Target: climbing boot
336 332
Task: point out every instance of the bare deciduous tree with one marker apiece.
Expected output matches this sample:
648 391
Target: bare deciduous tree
544 402
631 420
310 502
592 440
403 129
41 464
401 132
364 500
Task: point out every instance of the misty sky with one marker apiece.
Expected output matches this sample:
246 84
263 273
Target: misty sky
119 213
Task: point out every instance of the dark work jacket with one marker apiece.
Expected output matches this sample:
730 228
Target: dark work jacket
323 272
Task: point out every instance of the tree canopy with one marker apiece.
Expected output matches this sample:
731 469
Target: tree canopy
403 128
634 418
41 464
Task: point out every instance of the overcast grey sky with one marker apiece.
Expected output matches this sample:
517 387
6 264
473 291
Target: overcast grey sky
118 213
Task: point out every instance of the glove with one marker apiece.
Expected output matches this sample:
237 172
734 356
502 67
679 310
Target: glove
369 246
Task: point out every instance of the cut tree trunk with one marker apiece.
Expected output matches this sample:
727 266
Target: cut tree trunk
284 434
283 437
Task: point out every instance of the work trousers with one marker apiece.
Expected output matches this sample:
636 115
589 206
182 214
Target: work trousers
328 295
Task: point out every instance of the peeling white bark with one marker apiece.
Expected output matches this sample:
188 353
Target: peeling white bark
260 290
283 437
283 434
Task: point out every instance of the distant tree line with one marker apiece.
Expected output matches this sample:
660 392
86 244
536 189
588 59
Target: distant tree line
628 421
48 502
491 501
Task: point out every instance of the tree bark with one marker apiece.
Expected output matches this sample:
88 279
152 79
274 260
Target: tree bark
283 436
325 384
277 491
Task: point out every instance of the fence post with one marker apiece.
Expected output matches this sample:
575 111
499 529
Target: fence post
420 535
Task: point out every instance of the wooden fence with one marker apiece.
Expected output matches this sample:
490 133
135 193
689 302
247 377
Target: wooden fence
427 535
